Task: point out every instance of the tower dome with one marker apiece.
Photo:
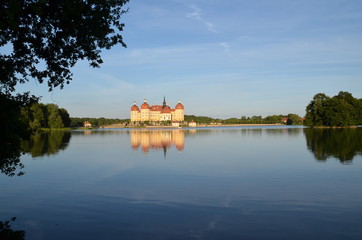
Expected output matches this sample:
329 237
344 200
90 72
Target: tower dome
179 105
145 105
134 107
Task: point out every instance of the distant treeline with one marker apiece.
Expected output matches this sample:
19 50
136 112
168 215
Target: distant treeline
200 119
39 115
79 121
290 119
340 110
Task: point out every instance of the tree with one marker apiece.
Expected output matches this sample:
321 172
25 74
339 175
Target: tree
78 122
43 40
316 110
13 127
54 118
38 117
232 121
199 119
65 117
273 119
359 112
294 119
47 38
340 110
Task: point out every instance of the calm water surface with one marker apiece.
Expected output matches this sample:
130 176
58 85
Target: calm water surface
219 183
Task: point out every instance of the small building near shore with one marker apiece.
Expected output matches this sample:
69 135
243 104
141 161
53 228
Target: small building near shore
175 124
192 124
284 120
87 124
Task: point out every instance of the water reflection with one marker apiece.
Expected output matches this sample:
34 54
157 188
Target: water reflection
93 132
46 143
162 140
230 183
157 140
284 131
10 163
255 130
343 144
7 233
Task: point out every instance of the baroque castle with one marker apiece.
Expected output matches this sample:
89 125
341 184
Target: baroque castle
157 113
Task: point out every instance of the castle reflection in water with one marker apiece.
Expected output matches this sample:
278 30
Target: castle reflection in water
157 140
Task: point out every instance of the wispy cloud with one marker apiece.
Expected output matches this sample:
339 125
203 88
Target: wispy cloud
226 47
197 15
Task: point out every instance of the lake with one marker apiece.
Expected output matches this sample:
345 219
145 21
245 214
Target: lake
271 182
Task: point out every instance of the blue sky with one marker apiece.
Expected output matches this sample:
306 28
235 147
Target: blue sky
222 58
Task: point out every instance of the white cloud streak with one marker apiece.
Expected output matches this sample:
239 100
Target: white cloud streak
226 47
197 15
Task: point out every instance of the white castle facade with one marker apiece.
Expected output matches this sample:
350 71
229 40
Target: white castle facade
157 113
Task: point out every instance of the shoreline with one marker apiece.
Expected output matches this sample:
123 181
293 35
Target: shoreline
198 126
121 126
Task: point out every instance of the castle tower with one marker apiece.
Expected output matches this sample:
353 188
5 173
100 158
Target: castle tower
135 113
179 112
145 111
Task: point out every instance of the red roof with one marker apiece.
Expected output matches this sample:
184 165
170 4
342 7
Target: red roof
134 108
156 108
179 106
145 106
166 110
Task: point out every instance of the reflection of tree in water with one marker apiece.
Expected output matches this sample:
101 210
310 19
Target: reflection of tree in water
283 131
10 153
40 144
247 131
10 159
6 233
342 143
46 143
